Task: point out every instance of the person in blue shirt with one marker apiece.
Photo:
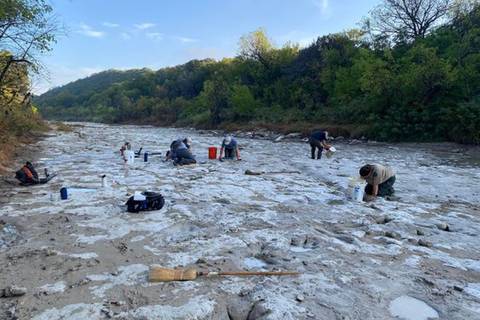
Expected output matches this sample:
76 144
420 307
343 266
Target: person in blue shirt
230 147
318 140
180 152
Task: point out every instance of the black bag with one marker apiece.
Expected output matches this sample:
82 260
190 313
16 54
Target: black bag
21 176
153 201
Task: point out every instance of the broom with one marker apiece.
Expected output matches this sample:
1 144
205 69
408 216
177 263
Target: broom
159 274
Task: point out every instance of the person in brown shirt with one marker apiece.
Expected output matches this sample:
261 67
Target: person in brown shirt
380 180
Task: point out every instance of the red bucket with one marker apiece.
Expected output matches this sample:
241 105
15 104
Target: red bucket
212 153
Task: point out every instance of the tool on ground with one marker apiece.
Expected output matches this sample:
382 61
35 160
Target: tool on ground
257 173
159 274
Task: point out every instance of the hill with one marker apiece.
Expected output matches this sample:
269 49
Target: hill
421 89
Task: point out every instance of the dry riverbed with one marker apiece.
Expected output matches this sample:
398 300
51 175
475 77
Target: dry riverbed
415 257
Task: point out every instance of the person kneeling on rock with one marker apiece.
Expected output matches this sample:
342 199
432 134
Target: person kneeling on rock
180 152
318 140
380 180
230 147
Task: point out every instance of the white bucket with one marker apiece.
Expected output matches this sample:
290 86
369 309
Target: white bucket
129 156
356 187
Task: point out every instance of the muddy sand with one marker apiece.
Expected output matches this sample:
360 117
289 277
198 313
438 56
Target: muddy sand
413 257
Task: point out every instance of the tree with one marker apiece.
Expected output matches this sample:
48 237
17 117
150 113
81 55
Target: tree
256 46
407 20
27 28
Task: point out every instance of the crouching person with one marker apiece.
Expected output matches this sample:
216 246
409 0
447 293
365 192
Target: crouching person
380 180
180 152
230 147
27 174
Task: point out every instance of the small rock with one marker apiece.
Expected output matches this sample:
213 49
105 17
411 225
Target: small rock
200 261
443 226
346 238
424 243
420 232
11 311
293 135
13 291
457 288
383 220
392 234
252 173
413 241
279 138
258 311
300 298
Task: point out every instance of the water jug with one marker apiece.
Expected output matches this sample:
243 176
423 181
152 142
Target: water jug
63 193
356 187
130 156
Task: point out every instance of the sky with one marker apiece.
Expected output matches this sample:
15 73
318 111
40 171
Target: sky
127 34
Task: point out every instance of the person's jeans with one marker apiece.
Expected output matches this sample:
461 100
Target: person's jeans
384 189
315 144
183 157
229 153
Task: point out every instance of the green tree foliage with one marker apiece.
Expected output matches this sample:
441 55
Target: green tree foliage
27 29
423 89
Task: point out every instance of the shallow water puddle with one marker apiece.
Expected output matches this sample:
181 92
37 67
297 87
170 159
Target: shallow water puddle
409 308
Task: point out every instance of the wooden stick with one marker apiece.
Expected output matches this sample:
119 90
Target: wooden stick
159 274
253 273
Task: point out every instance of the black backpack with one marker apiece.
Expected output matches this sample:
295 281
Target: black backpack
153 201
21 176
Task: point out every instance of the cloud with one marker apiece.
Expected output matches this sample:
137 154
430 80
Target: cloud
186 39
155 35
110 24
145 25
90 32
125 36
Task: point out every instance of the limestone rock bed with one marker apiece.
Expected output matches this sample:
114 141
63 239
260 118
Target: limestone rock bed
87 258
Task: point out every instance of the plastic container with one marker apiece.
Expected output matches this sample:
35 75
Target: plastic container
129 156
104 181
356 188
145 157
63 193
212 153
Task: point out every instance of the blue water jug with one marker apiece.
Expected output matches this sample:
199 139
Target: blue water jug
145 157
63 193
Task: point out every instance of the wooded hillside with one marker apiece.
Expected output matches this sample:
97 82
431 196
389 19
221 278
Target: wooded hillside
419 81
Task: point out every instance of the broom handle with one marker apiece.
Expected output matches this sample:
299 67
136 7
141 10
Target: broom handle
249 273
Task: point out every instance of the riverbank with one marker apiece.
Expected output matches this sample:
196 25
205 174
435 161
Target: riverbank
86 257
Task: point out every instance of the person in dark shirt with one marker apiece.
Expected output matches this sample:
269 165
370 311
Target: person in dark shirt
318 140
180 152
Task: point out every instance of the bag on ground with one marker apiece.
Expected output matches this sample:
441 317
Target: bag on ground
153 201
